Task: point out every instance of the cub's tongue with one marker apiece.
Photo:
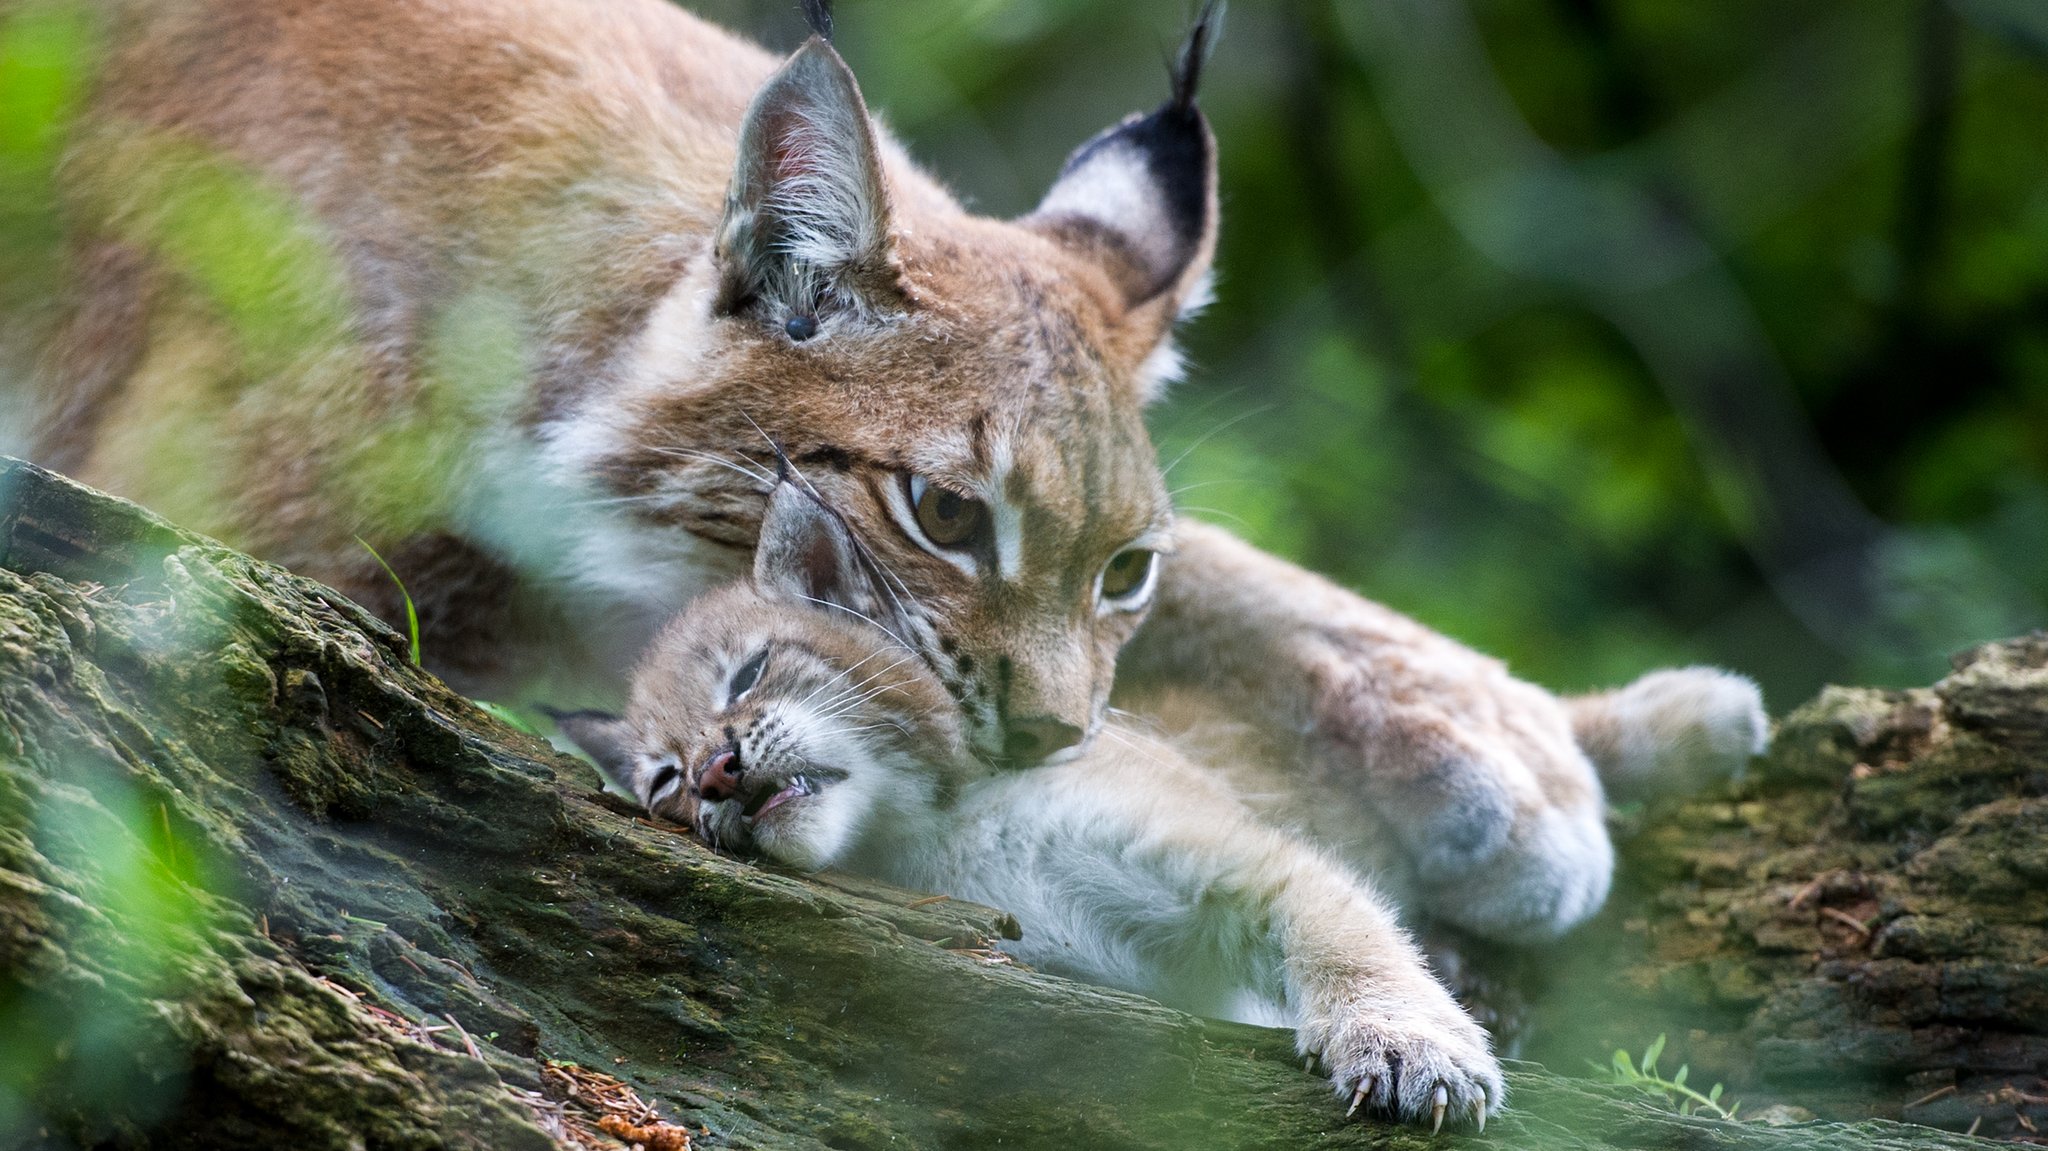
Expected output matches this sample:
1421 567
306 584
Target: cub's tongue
767 801
777 800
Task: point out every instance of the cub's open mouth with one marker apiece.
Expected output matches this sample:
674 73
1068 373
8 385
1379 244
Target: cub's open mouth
802 785
768 799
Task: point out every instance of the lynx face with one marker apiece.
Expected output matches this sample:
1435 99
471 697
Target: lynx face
772 723
968 393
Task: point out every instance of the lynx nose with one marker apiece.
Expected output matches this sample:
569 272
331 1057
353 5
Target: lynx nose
721 778
1035 739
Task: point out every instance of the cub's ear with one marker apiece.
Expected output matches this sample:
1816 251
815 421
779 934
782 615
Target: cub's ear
607 739
807 554
806 227
1141 197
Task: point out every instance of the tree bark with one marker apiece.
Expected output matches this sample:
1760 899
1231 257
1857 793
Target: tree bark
263 883
1859 929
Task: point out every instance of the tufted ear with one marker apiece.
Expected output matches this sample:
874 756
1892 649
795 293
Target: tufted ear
806 227
807 554
1141 197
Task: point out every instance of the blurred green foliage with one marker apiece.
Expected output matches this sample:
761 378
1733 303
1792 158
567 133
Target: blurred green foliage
1598 333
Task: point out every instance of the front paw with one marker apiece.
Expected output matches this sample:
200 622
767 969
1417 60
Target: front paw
1420 1066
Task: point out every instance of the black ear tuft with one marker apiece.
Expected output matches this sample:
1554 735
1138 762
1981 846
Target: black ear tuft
818 14
1140 198
1186 69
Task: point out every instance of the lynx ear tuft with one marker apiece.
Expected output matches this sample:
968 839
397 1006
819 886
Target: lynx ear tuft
1141 197
818 14
806 227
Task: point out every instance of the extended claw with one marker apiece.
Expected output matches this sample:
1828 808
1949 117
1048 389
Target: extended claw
1441 1101
1365 1087
1309 1064
1479 1113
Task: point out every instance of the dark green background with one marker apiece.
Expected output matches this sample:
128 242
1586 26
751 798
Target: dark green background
1598 333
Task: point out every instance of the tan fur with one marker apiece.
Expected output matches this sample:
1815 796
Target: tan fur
1465 789
470 279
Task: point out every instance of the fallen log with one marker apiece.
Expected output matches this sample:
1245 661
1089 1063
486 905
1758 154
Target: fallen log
1860 929
264 883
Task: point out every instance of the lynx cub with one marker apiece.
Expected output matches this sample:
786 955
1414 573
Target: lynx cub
805 734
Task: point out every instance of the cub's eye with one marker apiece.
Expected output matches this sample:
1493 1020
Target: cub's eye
664 774
947 518
747 676
1128 573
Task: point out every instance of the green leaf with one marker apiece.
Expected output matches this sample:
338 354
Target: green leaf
1678 1080
507 716
1650 1056
412 618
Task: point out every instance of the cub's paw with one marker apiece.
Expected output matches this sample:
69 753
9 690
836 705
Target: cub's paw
1424 1067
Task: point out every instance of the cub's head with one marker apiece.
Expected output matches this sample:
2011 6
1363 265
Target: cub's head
771 717
967 392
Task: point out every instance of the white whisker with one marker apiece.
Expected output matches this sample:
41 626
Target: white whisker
1231 516
905 644
759 477
1212 433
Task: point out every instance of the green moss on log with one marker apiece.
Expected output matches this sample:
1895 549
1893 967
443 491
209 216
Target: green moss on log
249 855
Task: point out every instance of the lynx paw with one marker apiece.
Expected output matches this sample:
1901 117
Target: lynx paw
1423 1067
1496 814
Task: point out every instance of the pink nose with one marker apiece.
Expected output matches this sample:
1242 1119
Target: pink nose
721 779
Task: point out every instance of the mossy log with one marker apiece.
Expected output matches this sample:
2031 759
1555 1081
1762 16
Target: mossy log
263 883
1860 929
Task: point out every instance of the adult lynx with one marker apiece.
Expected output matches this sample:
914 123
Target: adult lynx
542 278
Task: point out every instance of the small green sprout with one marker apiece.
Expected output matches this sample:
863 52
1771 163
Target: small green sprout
1625 1071
507 716
412 618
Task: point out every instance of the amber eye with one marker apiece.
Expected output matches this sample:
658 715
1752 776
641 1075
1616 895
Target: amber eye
1127 573
947 518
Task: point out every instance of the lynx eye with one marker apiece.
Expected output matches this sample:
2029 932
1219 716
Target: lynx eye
947 518
747 676
665 773
1128 573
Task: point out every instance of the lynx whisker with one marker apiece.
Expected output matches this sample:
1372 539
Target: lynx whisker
1233 517
758 476
900 641
1212 433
